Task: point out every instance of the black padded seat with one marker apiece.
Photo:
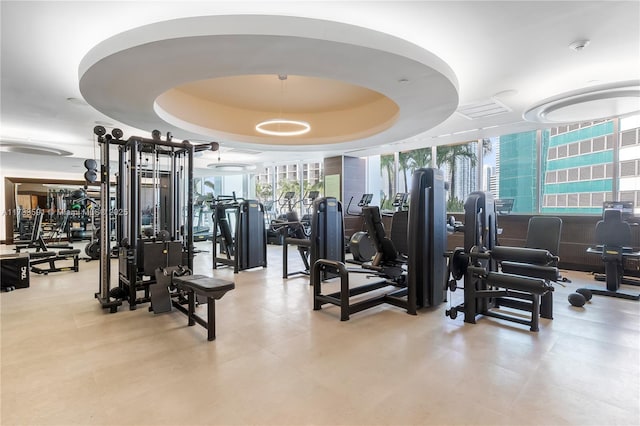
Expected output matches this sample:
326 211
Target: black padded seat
211 288
42 254
543 233
68 252
386 250
612 230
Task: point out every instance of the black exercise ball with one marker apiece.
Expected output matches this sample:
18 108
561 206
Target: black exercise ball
585 292
576 299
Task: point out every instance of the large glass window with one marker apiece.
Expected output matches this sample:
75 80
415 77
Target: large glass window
569 169
577 167
458 163
629 162
388 181
286 187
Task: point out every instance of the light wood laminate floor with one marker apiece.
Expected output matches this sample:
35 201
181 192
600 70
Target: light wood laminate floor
275 361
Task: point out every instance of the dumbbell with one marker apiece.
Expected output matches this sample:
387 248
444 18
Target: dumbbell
580 297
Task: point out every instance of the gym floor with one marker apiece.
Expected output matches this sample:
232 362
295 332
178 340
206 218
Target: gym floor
65 361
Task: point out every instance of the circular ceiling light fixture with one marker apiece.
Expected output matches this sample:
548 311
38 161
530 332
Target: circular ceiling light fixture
27 148
232 167
578 45
283 127
588 104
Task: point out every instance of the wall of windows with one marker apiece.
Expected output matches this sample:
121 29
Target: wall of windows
568 169
578 176
300 178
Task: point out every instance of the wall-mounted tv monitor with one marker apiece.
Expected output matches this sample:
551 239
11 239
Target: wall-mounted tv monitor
625 207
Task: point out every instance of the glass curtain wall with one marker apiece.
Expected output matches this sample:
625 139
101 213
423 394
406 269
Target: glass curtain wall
568 169
273 184
629 162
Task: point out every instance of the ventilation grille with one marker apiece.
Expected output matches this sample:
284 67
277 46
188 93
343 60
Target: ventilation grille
483 109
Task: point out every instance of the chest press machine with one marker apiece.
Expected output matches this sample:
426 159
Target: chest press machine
424 281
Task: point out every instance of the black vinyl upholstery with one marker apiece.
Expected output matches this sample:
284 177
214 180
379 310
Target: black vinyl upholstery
612 231
375 229
543 233
399 228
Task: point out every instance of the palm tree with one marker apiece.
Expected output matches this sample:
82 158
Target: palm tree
404 162
449 154
387 162
264 191
420 158
410 161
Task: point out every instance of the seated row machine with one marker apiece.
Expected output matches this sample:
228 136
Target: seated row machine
486 288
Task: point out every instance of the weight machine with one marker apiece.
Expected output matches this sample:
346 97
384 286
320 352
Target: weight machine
43 254
360 245
306 204
424 282
168 238
486 289
294 233
243 242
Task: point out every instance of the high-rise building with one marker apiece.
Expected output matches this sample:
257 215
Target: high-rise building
578 168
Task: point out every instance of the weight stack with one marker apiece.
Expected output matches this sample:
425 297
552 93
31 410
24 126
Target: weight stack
427 237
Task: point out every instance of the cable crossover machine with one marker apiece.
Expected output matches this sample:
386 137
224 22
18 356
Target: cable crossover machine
153 214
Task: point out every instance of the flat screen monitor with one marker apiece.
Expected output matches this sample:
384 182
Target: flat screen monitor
625 207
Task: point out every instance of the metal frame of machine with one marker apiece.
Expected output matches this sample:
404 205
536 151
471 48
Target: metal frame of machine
175 241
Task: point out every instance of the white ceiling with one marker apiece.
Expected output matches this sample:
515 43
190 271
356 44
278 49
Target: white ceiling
514 52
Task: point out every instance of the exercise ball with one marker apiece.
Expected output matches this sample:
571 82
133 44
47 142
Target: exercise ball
585 292
576 299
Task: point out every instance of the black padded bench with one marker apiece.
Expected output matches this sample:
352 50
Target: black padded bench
51 257
207 287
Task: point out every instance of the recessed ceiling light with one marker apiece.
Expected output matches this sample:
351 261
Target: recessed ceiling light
77 101
505 93
232 167
578 45
591 103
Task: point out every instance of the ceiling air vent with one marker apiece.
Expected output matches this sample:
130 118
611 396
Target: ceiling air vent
483 109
